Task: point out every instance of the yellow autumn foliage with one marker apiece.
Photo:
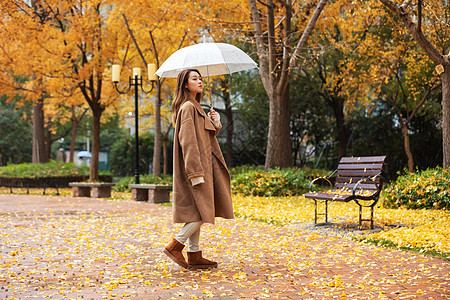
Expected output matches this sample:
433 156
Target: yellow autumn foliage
423 229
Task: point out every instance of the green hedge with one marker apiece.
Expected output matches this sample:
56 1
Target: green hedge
429 189
122 184
274 183
249 180
50 169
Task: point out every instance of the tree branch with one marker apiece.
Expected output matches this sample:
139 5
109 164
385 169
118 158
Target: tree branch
406 4
271 41
430 89
134 40
418 35
262 53
262 3
305 36
419 15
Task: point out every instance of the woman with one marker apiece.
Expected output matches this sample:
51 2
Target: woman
201 182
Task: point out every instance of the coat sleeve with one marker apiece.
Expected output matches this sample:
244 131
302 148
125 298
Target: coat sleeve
218 126
189 143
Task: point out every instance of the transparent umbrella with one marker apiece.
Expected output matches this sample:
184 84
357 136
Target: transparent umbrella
209 58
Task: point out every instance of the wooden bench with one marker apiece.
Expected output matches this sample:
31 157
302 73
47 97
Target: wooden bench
358 179
99 189
153 193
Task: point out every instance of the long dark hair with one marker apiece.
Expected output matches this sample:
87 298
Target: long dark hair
182 93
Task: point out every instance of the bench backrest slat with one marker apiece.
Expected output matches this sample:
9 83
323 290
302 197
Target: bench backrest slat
358 173
363 186
356 179
363 159
376 166
352 169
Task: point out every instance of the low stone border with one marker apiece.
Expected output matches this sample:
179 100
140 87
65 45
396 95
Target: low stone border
153 193
99 189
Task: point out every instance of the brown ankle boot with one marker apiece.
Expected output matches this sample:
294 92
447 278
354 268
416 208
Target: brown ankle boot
173 250
196 261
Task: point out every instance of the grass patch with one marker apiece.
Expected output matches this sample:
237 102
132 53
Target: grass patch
391 244
262 220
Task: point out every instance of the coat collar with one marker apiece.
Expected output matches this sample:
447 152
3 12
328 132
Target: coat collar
208 124
198 107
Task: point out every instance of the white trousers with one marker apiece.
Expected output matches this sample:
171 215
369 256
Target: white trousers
190 233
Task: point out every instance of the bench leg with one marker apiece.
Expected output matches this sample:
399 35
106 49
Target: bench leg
139 194
371 214
316 211
79 191
101 192
158 196
360 215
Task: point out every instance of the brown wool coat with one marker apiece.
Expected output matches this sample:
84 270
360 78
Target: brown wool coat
196 153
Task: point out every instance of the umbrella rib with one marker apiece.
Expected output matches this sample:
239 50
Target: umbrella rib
226 65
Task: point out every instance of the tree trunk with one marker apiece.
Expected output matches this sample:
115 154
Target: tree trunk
230 127
338 109
72 141
38 154
408 148
276 70
279 145
445 77
73 137
157 145
96 115
48 144
164 146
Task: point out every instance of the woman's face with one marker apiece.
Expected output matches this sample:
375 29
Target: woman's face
194 84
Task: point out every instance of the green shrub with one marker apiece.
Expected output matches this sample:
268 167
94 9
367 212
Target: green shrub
249 180
122 185
276 182
122 155
50 169
426 189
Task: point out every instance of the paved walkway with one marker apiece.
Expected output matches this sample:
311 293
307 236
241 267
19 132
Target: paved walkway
69 248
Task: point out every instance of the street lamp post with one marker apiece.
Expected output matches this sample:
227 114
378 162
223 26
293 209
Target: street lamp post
136 80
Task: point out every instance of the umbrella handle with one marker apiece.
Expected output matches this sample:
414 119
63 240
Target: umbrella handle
204 106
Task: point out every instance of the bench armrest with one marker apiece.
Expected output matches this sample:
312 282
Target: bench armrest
364 180
327 179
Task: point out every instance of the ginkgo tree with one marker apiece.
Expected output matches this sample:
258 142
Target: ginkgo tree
276 23
428 22
69 52
357 63
24 64
280 30
146 40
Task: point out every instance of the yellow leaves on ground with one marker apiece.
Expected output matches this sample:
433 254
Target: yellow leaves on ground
275 210
425 229
112 250
422 229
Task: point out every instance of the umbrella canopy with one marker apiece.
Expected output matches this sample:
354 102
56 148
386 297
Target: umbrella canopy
83 154
209 58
